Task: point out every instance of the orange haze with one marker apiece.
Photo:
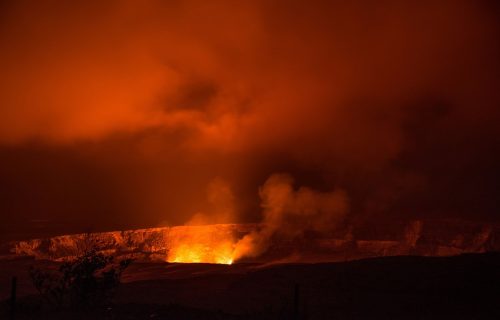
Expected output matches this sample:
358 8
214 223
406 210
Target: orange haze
124 114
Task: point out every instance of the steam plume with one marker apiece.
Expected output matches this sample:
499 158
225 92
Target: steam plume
288 213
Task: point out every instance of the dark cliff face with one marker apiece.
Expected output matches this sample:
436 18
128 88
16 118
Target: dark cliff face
431 238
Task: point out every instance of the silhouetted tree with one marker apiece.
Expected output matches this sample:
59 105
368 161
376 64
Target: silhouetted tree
87 281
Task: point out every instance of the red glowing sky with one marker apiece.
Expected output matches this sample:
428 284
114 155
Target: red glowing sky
125 113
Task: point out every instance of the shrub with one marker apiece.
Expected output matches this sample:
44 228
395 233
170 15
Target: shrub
86 282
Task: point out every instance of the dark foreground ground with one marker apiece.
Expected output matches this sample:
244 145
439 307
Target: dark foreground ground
461 287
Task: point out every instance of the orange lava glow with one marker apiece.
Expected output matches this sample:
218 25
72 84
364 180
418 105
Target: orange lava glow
201 244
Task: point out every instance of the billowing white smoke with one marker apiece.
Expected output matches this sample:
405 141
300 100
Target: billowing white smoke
288 213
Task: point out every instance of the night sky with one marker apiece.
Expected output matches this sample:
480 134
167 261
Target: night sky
125 114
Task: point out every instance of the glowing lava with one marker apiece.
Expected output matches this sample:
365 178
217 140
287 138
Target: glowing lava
201 244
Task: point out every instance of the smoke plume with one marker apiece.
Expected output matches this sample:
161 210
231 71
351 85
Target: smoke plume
221 205
289 213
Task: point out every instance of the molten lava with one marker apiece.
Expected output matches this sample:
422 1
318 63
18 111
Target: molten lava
201 244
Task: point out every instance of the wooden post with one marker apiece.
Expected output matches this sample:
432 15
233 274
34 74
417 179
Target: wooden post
13 294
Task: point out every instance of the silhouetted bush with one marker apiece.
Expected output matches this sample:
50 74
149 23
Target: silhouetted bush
86 282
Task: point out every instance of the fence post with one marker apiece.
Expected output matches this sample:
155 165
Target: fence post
296 302
13 294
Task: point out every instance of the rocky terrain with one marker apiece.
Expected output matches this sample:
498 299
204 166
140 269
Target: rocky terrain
425 238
